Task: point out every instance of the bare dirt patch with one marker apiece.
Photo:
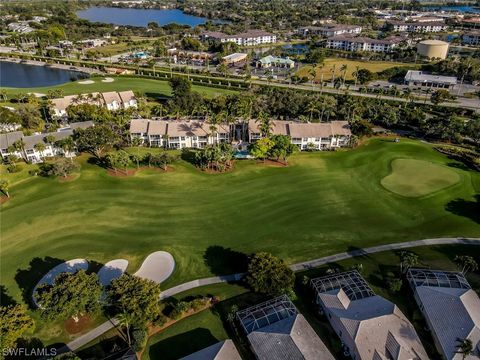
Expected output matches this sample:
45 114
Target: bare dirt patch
74 327
3 199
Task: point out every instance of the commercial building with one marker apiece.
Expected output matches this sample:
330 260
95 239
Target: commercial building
234 58
418 26
249 38
330 30
223 350
26 147
451 309
349 43
275 330
274 61
369 326
418 78
433 49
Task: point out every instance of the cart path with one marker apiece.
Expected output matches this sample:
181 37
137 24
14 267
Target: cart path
108 325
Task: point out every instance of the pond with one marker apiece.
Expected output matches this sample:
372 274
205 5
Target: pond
140 17
28 76
454 8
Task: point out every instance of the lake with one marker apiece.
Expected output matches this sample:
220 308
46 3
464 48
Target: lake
455 8
140 17
27 76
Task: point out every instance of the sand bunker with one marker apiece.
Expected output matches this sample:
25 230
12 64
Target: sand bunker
108 79
86 82
111 271
71 266
158 267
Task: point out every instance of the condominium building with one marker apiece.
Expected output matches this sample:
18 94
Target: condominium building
418 26
451 308
249 38
471 38
111 100
369 326
330 30
26 147
307 136
175 134
349 43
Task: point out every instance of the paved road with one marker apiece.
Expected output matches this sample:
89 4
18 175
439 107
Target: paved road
103 328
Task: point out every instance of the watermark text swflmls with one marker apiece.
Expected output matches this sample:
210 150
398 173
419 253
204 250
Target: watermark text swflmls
26 352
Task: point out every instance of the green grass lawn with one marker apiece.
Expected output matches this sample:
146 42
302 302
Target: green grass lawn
327 69
414 178
150 87
322 204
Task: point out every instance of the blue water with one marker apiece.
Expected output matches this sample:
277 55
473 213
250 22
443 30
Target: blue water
26 76
455 8
296 48
139 17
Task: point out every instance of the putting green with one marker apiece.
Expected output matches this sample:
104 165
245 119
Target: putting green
415 178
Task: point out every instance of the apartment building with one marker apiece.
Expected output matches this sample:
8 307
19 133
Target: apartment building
249 38
349 43
418 26
330 30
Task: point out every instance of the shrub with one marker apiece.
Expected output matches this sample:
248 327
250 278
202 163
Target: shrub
139 339
13 168
199 303
160 320
394 285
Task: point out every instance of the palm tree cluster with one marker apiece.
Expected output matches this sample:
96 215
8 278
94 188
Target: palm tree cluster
215 157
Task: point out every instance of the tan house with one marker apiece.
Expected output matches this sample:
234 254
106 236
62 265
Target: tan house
369 326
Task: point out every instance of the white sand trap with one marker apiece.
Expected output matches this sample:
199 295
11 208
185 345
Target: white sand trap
86 82
38 95
158 267
108 80
71 266
111 271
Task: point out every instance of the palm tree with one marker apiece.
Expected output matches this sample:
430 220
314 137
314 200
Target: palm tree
125 320
313 73
312 108
407 260
3 94
333 74
136 142
40 147
357 68
4 184
466 263
265 124
344 68
464 347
